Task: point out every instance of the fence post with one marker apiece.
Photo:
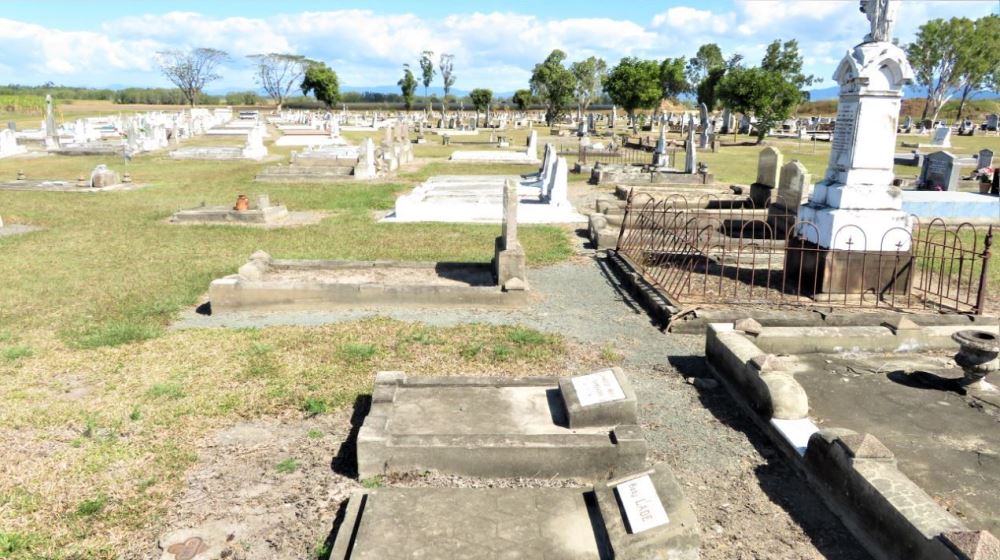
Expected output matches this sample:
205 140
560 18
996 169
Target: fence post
981 296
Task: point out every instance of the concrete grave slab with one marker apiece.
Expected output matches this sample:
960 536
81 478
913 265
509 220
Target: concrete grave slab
897 442
494 427
489 523
273 284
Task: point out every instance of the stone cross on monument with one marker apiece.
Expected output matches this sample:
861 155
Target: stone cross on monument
855 210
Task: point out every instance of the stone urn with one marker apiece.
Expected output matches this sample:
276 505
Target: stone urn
978 353
242 203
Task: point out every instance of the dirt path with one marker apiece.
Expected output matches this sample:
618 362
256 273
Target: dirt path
749 503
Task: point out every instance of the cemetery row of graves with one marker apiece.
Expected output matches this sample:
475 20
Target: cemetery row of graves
245 333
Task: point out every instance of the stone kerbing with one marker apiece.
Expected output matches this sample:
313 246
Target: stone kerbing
559 523
855 474
771 393
586 453
261 284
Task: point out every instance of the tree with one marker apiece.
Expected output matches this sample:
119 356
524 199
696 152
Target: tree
427 73
766 94
934 56
784 58
521 99
446 64
191 70
706 69
554 85
673 82
278 73
407 85
634 84
322 82
481 99
978 60
707 91
588 73
707 58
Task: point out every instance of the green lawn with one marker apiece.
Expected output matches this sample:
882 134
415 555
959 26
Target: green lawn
101 404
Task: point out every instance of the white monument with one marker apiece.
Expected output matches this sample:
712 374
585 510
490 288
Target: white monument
855 207
8 144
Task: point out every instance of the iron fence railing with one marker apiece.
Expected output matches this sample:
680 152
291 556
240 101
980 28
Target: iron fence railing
713 250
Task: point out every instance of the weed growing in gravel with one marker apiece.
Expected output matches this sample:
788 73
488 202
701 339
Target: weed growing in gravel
321 551
376 481
287 466
15 353
314 434
609 354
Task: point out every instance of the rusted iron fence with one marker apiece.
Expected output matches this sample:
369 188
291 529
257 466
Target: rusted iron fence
715 250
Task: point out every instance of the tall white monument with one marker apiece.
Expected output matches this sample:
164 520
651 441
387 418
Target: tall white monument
855 207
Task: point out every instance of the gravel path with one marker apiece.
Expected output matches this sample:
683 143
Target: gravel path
748 501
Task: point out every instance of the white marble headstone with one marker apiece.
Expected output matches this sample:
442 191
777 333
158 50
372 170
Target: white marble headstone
642 505
599 387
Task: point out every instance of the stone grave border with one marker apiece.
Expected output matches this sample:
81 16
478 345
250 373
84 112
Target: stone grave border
250 290
854 474
679 539
587 455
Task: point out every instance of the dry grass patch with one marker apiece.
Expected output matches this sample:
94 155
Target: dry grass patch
98 440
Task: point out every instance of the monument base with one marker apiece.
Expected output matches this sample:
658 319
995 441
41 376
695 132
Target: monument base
819 270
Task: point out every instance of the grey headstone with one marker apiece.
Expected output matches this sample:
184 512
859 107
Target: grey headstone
940 171
795 185
690 155
769 163
985 158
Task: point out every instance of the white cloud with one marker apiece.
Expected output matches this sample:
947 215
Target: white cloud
494 49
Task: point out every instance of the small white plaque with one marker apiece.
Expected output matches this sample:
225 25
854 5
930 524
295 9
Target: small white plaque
643 508
599 387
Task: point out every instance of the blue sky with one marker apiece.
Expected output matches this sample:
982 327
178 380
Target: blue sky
495 43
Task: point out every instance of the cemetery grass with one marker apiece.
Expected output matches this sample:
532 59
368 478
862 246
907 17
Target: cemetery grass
102 405
98 441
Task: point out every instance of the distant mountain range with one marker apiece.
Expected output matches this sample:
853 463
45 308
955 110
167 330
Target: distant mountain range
909 92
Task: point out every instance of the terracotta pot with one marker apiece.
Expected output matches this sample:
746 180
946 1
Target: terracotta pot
984 188
242 203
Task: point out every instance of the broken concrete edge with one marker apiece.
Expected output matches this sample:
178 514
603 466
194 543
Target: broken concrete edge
679 538
695 322
772 393
656 304
622 447
608 413
883 338
854 474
